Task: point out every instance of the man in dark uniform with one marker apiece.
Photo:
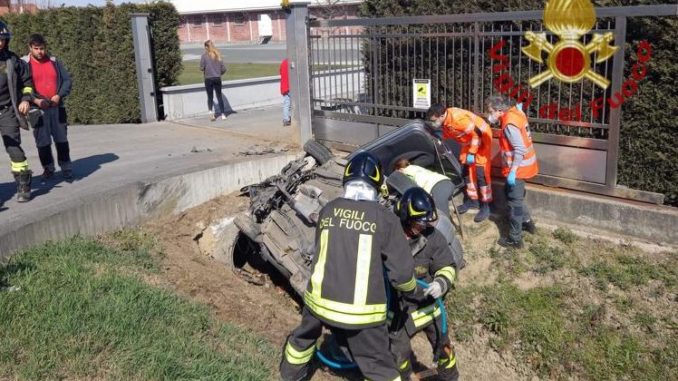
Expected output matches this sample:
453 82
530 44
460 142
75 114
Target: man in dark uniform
16 89
357 240
433 263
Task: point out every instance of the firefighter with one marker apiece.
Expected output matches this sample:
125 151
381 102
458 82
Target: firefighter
475 138
16 91
440 187
519 163
357 240
433 263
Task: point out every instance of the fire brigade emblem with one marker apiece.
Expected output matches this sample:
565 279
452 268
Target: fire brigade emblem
569 60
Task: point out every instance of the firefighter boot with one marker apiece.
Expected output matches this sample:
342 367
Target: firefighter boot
447 366
484 212
467 205
23 185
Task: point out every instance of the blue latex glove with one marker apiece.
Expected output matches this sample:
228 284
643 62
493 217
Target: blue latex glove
519 106
470 158
511 178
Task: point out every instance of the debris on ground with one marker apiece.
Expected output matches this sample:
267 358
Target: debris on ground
196 150
259 149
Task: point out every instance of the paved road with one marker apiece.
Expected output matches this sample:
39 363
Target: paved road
108 156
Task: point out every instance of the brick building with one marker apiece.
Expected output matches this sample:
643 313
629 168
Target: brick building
247 21
9 6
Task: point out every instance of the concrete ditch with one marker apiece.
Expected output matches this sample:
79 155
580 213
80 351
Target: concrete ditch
133 203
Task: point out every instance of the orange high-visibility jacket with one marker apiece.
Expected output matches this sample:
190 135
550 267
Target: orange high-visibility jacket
528 167
471 131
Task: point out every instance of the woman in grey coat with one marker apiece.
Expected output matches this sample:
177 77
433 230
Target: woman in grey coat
212 66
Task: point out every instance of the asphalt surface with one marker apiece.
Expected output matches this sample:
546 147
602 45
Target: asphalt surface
108 156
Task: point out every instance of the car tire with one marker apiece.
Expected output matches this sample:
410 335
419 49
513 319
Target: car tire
318 151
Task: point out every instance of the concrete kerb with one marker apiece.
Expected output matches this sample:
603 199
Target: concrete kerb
599 215
133 203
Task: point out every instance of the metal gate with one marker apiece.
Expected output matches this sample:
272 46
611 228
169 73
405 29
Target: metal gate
361 72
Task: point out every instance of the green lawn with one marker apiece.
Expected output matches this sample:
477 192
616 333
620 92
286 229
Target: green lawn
80 309
598 311
192 74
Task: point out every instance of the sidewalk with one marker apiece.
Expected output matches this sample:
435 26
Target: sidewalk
107 157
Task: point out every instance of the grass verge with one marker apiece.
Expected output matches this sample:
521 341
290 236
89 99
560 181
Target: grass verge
81 309
192 74
597 311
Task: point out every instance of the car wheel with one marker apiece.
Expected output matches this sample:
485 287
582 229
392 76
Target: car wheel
318 151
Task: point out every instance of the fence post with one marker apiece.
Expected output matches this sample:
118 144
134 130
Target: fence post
615 113
477 90
298 55
141 35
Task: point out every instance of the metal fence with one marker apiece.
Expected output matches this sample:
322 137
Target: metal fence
361 84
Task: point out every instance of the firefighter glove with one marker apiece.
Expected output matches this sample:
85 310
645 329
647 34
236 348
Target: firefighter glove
511 178
436 289
470 159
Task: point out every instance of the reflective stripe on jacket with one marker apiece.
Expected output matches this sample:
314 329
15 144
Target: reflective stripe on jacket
528 167
432 258
356 241
423 177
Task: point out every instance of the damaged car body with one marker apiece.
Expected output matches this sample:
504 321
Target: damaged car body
284 208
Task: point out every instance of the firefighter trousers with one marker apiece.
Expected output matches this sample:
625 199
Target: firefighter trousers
368 347
11 138
402 351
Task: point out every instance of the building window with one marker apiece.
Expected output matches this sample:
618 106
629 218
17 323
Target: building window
238 18
196 21
216 19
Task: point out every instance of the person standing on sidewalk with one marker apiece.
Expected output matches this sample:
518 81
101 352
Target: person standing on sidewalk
16 92
519 163
52 84
212 66
285 92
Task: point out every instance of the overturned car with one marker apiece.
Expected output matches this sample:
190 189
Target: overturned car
282 217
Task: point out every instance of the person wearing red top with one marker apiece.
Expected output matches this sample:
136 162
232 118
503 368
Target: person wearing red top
52 84
285 92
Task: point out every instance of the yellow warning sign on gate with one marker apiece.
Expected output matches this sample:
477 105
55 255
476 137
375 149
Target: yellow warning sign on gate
421 93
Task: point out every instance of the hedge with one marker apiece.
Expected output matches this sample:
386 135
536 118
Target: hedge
649 139
95 44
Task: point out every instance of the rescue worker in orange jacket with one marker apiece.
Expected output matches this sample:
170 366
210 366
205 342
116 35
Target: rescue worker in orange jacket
475 137
518 163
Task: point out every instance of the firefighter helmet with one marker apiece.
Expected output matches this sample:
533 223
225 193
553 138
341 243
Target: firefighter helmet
364 166
416 205
5 34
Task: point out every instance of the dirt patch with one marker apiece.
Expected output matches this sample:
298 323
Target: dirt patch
271 313
266 310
